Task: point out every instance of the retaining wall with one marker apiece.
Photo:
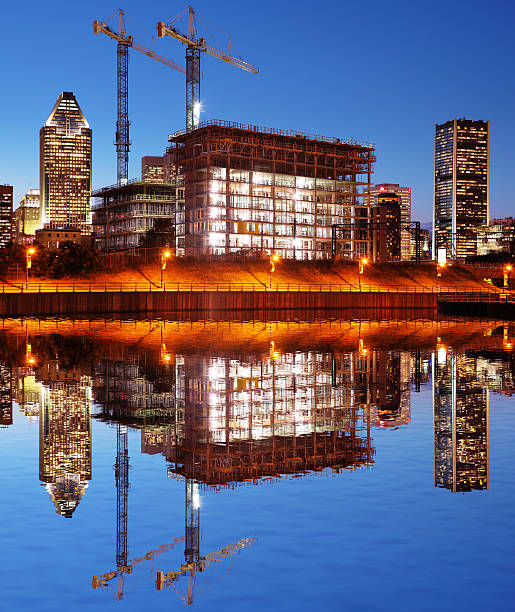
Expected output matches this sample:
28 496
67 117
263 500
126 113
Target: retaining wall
33 304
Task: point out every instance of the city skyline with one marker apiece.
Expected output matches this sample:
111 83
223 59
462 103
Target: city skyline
278 96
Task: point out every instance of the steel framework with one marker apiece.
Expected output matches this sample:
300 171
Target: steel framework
368 229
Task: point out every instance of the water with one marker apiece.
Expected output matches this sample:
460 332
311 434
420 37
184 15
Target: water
360 465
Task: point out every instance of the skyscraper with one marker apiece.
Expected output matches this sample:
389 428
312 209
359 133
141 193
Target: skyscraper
6 215
65 166
404 194
461 186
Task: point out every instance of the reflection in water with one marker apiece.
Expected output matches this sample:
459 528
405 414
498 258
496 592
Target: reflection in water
6 404
461 415
240 407
64 434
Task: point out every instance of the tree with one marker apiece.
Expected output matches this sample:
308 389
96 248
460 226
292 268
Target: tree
161 234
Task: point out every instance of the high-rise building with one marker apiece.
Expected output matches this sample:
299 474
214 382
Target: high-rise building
461 186
26 217
251 189
6 215
386 223
65 166
404 194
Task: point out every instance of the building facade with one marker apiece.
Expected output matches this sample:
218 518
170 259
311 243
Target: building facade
6 215
497 237
65 166
247 189
404 194
461 186
26 217
123 214
386 224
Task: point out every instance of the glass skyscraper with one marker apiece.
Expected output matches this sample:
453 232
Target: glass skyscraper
65 166
461 186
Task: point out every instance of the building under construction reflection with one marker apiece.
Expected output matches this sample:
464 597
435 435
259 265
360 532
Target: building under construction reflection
461 423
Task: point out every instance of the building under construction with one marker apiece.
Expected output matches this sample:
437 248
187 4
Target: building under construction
258 190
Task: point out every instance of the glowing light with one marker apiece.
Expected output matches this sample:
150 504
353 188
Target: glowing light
166 254
508 268
364 261
275 257
31 251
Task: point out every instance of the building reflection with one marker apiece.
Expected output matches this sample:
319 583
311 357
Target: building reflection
64 434
6 395
461 423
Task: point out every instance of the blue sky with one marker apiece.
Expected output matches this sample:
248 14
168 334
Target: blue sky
379 71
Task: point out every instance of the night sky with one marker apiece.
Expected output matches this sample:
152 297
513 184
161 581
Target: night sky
378 71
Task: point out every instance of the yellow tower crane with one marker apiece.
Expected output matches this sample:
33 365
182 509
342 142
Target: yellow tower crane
122 122
196 45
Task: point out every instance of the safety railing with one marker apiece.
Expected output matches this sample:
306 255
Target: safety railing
168 286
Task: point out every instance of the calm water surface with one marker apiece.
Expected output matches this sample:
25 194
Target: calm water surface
330 465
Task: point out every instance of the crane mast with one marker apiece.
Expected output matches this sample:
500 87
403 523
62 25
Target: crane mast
122 115
194 47
124 41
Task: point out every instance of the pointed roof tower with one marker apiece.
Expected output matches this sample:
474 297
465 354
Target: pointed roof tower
66 115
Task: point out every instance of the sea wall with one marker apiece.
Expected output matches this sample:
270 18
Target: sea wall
70 304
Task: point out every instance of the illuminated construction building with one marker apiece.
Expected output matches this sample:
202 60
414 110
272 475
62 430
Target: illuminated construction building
461 423
461 186
27 217
386 223
65 166
257 190
497 237
65 435
122 214
6 215
6 395
404 195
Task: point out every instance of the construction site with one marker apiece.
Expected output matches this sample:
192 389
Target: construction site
236 189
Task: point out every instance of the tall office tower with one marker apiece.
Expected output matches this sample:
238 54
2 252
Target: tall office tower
26 217
65 166
404 194
461 186
461 421
6 214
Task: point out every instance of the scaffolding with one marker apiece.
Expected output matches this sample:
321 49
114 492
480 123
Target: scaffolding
251 189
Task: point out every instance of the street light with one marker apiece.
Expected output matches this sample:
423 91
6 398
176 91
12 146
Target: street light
362 263
439 269
274 258
507 271
165 256
28 264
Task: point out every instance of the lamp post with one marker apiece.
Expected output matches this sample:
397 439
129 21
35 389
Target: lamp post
274 258
362 263
507 272
165 256
439 269
28 264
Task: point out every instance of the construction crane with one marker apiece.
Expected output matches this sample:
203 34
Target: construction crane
190 569
122 79
194 47
194 562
